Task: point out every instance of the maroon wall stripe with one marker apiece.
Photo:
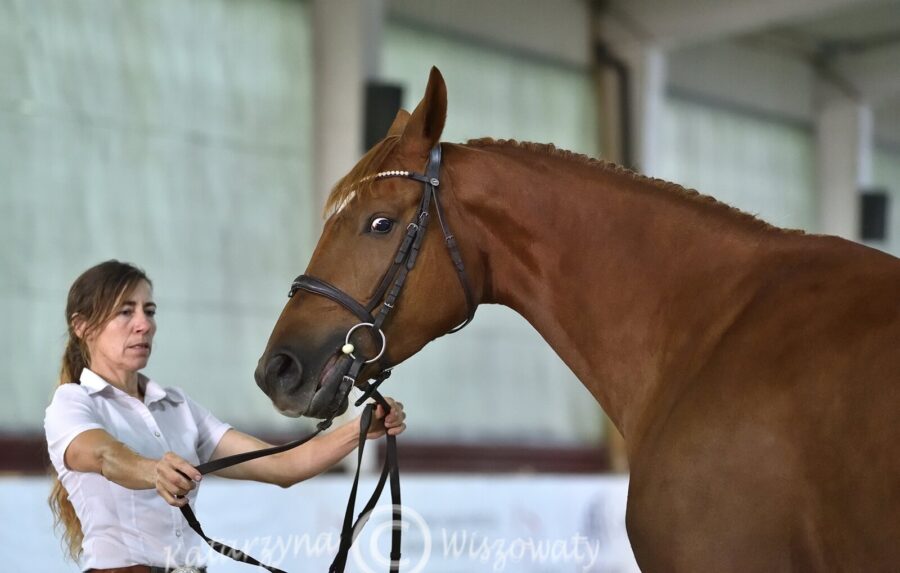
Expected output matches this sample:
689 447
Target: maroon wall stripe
27 454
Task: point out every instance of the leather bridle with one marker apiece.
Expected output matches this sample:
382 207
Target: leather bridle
395 276
386 294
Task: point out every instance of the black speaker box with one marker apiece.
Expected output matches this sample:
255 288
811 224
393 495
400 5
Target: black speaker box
382 103
874 217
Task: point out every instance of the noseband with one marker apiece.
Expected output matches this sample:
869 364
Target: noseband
386 295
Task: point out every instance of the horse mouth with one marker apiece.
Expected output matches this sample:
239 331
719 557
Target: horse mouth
329 373
329 396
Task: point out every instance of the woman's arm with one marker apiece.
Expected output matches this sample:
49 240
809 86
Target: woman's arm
97 451
286 468
310 459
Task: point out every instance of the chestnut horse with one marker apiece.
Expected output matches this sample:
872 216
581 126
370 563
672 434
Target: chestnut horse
754 372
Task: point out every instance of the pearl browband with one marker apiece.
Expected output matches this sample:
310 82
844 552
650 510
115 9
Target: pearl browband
434 181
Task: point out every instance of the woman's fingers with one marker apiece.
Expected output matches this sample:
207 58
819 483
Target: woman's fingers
169 497
172 479
177 482
395 431
180 464
173 494
393 423
395 405
396 416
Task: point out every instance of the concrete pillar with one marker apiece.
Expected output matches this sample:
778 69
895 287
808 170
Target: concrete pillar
844 142
645 65
346 52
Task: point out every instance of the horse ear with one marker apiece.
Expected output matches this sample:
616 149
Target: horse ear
399 123
423 131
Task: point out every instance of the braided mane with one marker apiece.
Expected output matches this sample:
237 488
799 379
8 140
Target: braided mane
550 150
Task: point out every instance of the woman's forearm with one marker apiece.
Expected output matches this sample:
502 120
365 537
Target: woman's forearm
121 465
290 467
321 453
310 459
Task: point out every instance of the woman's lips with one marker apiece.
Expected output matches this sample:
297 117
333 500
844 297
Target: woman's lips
141 347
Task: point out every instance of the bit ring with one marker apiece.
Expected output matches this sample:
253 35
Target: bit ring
372 326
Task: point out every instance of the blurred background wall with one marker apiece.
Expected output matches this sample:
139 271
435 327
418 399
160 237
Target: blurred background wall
198 140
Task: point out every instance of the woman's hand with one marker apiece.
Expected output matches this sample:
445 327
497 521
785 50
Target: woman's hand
393 424
174 478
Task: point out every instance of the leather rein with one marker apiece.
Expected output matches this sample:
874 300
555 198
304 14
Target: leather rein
389 289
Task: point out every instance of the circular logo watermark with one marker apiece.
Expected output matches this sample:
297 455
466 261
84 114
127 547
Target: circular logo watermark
384 524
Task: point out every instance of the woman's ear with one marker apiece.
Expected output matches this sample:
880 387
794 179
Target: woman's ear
78 325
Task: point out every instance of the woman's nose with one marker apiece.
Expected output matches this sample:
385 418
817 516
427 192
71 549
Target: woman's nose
143 322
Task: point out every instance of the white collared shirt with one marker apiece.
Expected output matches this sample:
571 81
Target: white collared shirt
122 526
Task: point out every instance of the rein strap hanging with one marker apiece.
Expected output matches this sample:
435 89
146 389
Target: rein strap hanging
388 291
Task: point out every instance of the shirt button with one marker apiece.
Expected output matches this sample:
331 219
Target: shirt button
156 434
177 534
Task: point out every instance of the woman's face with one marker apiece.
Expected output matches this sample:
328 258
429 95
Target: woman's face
125 342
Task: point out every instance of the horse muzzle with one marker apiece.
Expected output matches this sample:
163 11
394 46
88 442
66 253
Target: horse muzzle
297 391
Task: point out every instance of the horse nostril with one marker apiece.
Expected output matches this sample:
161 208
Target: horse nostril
283 374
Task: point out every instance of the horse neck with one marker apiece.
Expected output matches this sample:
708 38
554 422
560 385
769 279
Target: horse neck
630 282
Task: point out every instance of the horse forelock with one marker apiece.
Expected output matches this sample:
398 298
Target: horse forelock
358 181
550 150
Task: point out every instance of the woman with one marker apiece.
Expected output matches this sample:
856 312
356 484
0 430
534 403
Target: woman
115 435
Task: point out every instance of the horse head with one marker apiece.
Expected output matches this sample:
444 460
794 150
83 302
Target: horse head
375 220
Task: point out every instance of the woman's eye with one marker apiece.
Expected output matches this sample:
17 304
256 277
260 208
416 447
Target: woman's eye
381 225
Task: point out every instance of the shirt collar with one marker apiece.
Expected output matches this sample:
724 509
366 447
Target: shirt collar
93 382
153 392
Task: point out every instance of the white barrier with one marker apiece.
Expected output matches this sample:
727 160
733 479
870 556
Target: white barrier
528 524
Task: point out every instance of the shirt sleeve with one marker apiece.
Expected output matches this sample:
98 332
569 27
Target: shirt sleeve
70 413
209 430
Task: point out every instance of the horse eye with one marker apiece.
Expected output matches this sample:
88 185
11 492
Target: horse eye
381 225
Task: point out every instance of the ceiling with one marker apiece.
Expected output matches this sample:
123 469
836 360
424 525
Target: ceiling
856 47
853 45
